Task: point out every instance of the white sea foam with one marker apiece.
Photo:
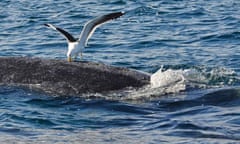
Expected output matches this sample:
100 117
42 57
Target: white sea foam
171 81
167 78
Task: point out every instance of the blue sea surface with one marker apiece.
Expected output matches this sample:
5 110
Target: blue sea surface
202 36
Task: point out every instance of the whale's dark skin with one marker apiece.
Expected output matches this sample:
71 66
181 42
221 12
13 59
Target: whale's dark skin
68 78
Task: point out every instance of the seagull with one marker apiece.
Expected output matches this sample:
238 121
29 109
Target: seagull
76 45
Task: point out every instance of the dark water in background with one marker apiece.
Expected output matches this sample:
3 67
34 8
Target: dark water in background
203 36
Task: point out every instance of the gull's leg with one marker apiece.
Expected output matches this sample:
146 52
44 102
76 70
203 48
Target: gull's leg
81 56
69 59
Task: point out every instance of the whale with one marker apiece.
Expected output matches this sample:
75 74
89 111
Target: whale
61 77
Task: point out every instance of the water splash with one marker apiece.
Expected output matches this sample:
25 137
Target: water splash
173 81
167 78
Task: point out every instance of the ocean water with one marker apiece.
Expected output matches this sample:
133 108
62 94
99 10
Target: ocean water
191 47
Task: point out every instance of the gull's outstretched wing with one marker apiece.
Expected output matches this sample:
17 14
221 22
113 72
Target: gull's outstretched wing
91 25
67 35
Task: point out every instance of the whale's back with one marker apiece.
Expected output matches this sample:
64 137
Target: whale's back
62 77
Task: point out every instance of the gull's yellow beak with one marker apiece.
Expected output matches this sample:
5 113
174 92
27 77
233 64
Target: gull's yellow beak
69 59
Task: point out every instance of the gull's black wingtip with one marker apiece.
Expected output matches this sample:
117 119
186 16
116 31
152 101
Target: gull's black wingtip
122 12
46 24
114 15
